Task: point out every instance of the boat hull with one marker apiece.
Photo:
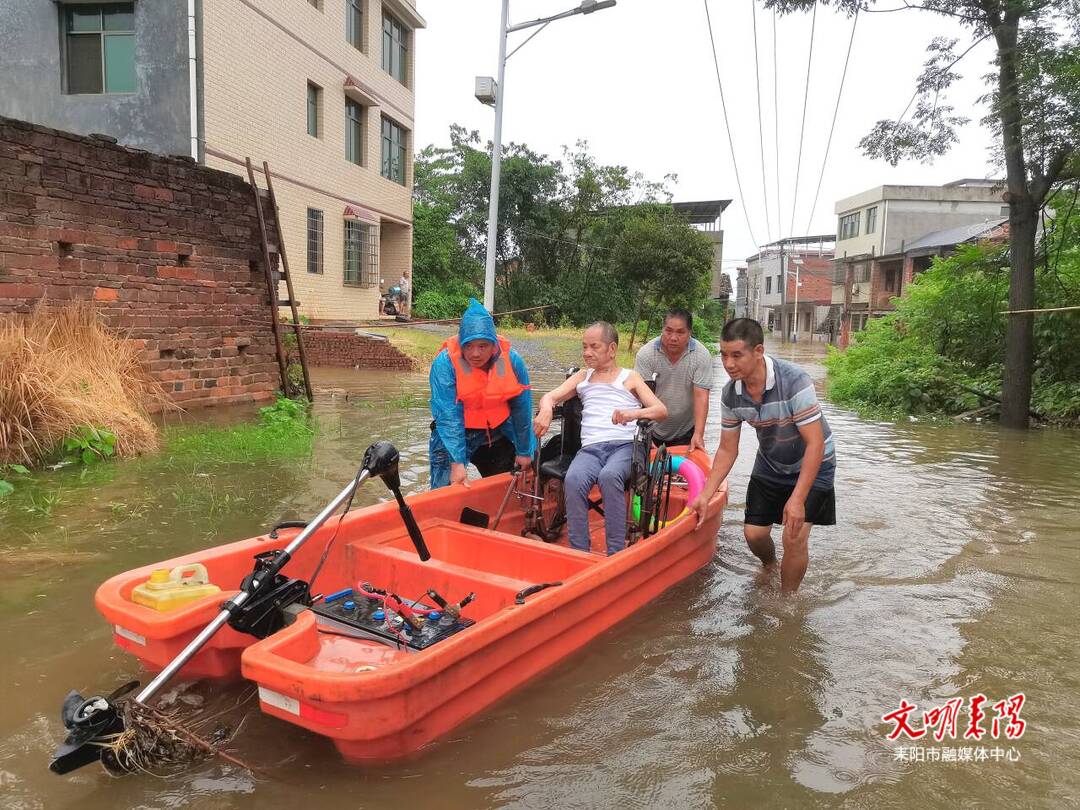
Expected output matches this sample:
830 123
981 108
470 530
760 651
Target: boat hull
377 702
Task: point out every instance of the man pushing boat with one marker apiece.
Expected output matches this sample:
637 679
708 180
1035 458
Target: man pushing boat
792 480
481 404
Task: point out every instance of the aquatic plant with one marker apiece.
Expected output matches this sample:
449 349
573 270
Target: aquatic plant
284 430
6 487
89 445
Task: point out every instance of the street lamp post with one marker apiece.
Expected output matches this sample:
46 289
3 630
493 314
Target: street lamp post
798 264
586 7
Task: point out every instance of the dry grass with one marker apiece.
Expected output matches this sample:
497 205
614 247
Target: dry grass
61 369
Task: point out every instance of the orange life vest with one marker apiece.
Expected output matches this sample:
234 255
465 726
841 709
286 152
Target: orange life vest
485 394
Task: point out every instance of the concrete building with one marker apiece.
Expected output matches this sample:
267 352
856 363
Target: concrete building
705 216
771 286
323 90
875 229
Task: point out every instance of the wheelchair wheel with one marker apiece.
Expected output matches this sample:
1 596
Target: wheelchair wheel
551 515
653 494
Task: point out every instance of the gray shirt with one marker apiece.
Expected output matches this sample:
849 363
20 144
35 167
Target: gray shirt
675 383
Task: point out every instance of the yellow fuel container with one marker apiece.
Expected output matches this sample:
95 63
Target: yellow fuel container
168 590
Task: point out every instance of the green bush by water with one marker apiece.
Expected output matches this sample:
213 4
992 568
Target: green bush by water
283 430
947 336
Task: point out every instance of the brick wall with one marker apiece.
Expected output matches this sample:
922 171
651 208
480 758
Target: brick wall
348 350
169 251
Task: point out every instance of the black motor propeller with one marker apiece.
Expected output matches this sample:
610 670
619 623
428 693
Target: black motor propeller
91 723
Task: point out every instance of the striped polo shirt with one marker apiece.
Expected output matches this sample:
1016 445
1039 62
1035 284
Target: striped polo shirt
788 402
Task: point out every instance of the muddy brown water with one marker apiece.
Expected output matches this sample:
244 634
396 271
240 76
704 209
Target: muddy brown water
953 571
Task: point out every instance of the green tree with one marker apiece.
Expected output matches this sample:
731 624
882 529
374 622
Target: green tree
1034 100
559 224
668 262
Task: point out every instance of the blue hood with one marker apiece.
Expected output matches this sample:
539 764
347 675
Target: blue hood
476 324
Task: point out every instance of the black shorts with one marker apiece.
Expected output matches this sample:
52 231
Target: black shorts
765 503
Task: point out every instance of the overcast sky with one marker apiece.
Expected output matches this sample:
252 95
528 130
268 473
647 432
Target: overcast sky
637 82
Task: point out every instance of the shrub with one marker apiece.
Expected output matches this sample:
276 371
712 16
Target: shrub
61 370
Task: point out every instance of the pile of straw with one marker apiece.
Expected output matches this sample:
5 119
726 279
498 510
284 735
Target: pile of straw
61 369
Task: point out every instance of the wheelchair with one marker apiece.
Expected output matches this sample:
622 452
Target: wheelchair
545 513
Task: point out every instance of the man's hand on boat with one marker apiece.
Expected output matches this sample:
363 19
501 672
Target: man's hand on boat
459 475
700 505
523 463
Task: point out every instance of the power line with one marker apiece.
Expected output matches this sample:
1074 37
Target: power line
761 132
727 126
802 129
832 127
776 127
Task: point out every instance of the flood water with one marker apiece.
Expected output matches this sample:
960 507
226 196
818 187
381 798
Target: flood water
953 571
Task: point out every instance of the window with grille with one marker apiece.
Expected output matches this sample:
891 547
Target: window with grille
393 151
314 240
354 19
768 285
871 219
353 132
395 47
361 254
849 226
99 48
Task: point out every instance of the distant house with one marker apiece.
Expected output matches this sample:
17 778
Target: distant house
877 229
789 285
705 216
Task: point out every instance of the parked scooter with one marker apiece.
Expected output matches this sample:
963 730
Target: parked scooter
390 302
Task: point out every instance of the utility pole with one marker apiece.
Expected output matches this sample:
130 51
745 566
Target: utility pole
586 7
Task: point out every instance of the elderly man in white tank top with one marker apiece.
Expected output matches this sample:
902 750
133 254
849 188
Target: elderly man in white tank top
612 399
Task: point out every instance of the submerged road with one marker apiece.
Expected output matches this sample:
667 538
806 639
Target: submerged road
953 571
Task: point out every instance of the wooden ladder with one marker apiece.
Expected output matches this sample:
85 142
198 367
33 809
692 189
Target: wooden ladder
271 283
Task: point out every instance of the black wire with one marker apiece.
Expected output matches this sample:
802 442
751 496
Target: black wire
802 128
330 542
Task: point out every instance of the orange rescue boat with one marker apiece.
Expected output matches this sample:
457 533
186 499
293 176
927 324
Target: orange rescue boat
379 689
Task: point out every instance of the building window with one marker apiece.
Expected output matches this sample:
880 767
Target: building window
871 219
768 285
361 254
849 226
779 283
354 115
314 102
393 151
395 47
99 53
314 240
861 274
1003 211
892 280
354 19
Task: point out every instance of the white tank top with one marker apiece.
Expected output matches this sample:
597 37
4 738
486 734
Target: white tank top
599 401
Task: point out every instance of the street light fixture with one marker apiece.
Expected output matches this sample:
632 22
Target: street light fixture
485 91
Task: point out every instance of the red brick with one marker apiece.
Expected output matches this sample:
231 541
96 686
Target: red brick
21 291
104 294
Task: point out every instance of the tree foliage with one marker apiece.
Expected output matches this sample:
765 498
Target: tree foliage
1033 102
569 229
947 335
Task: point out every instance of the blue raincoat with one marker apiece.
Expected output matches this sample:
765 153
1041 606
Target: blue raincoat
451 442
